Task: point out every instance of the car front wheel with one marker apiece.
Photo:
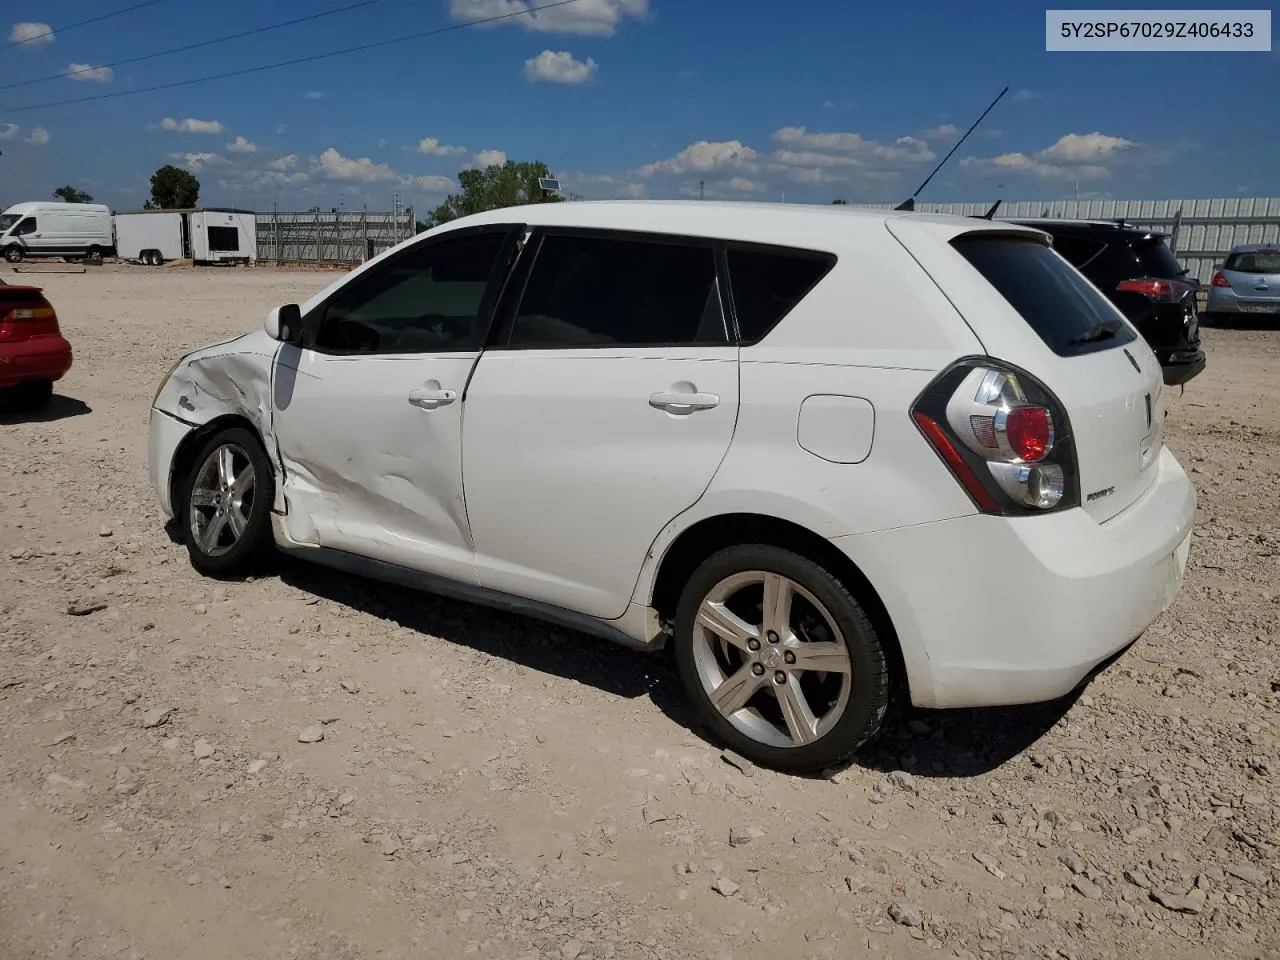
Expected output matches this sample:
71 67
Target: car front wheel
779 658
226 512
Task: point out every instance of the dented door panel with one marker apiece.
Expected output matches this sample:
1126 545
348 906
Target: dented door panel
368 470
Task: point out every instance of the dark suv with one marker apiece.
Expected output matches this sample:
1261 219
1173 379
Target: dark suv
1139 274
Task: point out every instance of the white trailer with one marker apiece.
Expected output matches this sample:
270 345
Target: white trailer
221 236
150 238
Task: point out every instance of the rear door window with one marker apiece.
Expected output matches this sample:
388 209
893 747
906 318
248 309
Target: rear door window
768 282
602 291
1063 308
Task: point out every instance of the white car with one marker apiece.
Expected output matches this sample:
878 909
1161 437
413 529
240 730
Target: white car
828 455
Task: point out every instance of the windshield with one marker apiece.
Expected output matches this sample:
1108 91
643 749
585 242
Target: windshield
1261 261
1157 260
7 220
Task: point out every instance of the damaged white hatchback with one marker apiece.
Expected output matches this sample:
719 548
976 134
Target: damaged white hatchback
831 456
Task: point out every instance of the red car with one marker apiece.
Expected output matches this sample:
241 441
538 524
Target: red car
33 352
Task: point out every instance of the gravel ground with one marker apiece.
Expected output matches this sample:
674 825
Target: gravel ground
482 785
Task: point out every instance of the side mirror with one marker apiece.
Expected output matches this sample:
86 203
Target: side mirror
285 324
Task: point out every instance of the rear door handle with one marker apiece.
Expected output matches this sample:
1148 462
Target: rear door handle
429 398
683 402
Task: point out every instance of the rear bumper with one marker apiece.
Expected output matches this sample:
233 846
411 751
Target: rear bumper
1223 300
166 432
992 611
1182 366
41 358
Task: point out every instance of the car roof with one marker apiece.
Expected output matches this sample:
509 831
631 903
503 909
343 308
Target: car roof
794 224
1256 247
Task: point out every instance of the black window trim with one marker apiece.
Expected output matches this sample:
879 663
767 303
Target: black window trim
806 253
496 282
508 309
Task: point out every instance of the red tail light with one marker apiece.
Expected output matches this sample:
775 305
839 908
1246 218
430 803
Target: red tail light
1219 280
1155 288
27 319
1030 432
1003 435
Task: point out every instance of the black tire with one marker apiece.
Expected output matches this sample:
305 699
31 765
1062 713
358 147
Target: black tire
93 255
13 254
869 679
35 394
255 546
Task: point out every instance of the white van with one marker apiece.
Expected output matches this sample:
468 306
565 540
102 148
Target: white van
56 230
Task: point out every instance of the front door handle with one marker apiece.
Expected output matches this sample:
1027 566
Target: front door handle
682 403
429 398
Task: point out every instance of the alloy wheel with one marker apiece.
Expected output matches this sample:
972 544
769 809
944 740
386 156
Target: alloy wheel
771 659
221 499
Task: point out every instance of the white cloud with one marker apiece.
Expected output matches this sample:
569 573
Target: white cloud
241 145
431 184
287 162
31 34
282 130
745 185
39 137
9 131
190 126
1022 96
902 150
197 161
591 17
434 148
313 95
813 158
85 72
559 67
334 166
705 157
1075 156
489 158
1085 147
834 104
635 191
946 131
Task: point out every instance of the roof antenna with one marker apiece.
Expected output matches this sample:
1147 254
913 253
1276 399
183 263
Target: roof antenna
910 202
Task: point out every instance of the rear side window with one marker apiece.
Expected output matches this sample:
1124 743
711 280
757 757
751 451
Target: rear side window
1156 259
769 282
1262 261
1063 308
592 291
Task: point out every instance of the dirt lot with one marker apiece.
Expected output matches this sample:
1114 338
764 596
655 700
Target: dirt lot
491 787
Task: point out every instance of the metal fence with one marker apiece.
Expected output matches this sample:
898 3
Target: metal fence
330 239
1201 232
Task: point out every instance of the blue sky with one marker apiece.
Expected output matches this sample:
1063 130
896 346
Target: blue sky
814 99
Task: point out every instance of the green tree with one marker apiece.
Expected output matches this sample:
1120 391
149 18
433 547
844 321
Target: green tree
507 184
842 202
173 188
70 194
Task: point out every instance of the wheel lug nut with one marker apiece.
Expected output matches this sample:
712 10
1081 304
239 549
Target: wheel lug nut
779 677
789 657
753 644
773 637
758 669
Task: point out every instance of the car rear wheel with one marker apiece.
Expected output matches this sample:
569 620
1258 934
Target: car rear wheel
226 505
779 658
93 255
31 395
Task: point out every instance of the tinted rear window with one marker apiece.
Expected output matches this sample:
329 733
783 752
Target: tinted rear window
1055 301
769 282
1265 261
1156 259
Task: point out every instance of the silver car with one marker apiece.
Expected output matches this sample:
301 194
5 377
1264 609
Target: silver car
1249 281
